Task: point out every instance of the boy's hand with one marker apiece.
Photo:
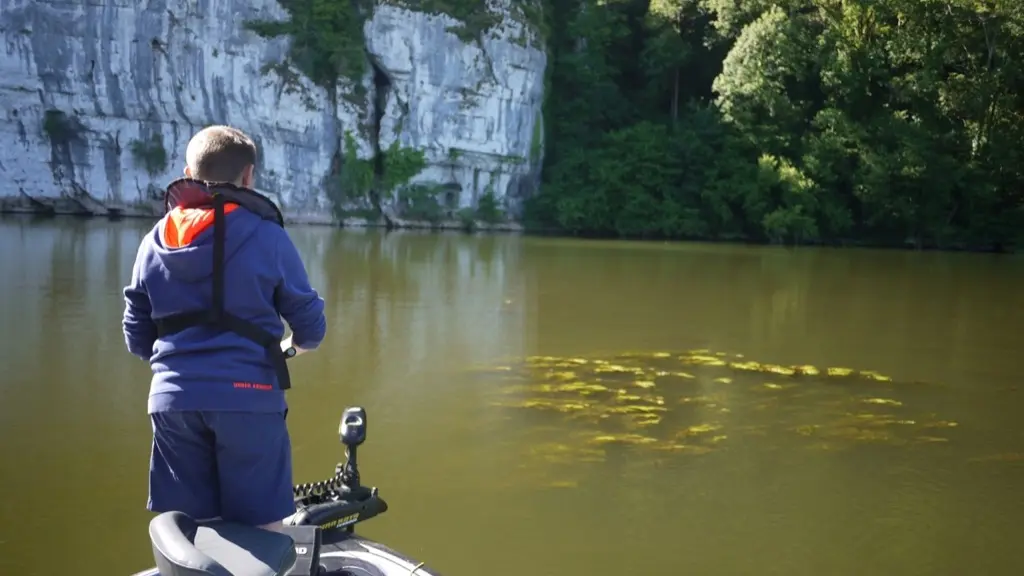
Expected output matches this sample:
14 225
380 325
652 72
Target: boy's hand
287 343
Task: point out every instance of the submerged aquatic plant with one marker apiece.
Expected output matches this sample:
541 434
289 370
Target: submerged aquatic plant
699 401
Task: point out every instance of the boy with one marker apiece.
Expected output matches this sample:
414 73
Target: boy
220 443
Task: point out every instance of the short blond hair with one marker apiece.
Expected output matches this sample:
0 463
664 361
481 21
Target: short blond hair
220 154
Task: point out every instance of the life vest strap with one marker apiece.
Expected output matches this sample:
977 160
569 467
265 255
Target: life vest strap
217 317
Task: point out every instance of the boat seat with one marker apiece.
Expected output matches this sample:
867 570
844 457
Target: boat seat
184 547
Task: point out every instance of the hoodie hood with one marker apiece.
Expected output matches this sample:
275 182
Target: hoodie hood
183 239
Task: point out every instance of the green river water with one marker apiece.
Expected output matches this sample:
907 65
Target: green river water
566 408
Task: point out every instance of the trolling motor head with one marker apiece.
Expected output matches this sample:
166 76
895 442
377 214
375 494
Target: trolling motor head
353 427
352 432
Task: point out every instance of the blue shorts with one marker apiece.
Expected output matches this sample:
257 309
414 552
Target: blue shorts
232 465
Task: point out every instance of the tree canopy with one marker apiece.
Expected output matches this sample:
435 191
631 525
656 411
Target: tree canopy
894 122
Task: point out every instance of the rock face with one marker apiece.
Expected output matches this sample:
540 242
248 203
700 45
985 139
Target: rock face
474 108
100 97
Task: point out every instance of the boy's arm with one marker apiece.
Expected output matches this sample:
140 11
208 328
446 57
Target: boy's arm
297 301
137 323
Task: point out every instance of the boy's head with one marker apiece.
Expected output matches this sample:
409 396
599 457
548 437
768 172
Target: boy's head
221 154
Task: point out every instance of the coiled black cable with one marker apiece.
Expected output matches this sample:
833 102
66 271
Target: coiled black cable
312 492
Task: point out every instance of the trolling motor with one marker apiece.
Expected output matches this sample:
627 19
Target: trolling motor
341 501
326 512
352 432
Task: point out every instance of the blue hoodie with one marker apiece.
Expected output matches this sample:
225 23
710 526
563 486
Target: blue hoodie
199 368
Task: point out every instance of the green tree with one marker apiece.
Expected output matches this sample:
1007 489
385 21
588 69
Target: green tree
892 122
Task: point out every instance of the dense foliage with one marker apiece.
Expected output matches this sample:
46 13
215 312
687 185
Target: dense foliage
326 38
888 122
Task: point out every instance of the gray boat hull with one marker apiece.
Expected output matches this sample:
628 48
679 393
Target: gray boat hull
352 555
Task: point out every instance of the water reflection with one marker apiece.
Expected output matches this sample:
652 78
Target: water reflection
61 310
407 305
912 315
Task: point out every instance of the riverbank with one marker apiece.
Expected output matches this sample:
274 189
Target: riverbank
68 209
86 207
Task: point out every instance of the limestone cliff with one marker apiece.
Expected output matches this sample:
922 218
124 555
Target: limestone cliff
99 98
